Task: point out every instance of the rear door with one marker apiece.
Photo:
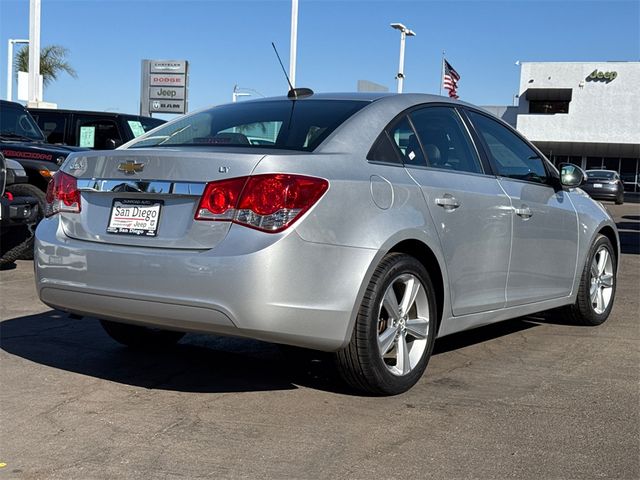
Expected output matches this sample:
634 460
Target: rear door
468 207
545 224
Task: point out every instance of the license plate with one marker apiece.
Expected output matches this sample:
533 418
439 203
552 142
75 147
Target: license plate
135 217
597 185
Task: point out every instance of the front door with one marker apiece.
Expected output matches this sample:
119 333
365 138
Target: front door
545 224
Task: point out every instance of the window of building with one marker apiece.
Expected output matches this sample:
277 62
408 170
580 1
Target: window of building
630 174
594 163
549 100
548 106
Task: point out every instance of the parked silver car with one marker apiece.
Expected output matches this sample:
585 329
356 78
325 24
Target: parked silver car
372 225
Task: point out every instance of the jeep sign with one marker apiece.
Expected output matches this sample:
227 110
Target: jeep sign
164 87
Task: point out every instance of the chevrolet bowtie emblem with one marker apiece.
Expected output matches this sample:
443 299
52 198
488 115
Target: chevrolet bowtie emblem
130 167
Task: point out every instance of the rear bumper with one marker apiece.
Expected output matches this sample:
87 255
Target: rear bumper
274 288
604 193
17 211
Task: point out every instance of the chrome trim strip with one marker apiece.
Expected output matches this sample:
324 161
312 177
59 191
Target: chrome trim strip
141 186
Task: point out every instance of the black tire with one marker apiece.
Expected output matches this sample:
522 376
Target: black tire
361 364
141 338
13 251
25 248
583 311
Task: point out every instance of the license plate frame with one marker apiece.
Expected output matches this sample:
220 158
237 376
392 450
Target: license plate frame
126 217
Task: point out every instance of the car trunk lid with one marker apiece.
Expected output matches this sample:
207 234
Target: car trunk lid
148 197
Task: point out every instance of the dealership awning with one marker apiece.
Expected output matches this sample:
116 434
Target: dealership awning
549 94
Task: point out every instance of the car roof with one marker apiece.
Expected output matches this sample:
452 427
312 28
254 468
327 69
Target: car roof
363 97
13 104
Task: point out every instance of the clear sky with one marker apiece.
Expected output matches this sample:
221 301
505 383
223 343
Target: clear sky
339 42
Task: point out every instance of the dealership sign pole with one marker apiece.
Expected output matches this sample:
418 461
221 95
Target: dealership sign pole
164 86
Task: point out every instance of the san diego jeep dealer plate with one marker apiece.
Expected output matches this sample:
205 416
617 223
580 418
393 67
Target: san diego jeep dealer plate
135 217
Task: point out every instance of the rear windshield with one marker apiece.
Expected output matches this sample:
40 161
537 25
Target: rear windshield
282 124
600 174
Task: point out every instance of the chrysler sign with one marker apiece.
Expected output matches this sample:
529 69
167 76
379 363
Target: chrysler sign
164 86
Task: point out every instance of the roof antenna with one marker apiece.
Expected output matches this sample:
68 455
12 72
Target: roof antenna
293 92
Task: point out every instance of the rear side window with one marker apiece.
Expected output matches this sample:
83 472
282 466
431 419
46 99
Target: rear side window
511 156
52 125
100 134
284 124
444 141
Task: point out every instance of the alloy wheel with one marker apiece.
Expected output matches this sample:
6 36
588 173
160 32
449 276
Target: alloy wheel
601 281
403 324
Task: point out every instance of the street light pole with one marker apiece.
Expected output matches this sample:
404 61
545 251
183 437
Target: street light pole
34 52
237 93
404 33
10 43
294 42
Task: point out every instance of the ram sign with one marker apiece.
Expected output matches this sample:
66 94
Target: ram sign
165 85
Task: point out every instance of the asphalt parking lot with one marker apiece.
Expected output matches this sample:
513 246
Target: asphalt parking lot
528 398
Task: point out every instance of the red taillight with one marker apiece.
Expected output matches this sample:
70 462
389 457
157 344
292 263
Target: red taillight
62 194
270 203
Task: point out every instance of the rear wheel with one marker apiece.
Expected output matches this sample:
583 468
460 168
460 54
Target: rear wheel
144 338
394 333
597 285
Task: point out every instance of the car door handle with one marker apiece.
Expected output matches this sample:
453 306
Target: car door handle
523 211
447 201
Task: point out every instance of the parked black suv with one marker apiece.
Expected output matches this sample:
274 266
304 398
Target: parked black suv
20 212
97 130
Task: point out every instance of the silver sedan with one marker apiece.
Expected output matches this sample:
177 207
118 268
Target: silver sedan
365 225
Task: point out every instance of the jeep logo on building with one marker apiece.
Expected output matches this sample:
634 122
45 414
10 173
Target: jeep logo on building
600 76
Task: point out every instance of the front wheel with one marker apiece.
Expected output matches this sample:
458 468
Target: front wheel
597 284
394 333
143 338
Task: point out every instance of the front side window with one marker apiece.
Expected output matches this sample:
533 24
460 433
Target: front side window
511 157
16 122
284 124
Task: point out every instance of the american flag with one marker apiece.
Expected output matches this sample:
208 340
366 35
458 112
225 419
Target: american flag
450 79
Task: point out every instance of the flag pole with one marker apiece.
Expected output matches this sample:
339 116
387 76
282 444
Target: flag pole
441 73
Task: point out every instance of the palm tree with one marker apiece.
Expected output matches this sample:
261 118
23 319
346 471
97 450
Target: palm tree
53 62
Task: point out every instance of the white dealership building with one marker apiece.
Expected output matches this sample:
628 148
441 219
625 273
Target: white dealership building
584 113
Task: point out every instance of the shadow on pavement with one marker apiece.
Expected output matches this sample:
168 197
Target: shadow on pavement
200 363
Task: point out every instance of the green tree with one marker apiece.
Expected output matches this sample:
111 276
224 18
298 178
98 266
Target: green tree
53 62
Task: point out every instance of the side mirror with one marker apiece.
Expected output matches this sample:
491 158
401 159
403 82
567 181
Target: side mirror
571 175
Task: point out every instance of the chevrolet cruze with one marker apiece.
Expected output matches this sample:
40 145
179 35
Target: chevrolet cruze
365 225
